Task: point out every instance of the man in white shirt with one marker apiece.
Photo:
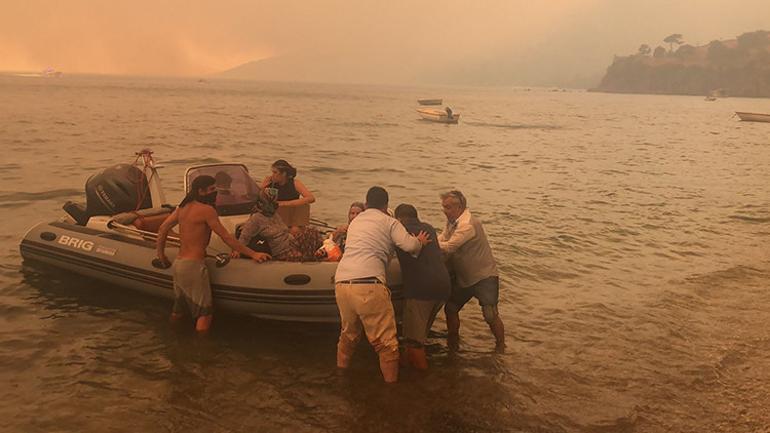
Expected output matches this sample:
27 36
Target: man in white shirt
363 298
470 256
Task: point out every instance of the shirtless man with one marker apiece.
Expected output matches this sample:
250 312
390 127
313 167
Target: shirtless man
197 218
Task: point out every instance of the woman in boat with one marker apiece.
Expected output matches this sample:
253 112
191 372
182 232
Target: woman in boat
291 192
265 223
341 233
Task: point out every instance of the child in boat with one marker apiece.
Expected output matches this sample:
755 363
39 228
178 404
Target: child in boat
341 234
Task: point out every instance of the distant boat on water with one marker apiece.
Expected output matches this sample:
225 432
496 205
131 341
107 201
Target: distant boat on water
430 101
50 72
753 117
441 116
716 93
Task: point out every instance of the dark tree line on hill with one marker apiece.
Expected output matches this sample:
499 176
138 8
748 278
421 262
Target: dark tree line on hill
739 67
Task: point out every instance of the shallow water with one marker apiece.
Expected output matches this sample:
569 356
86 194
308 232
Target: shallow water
631 233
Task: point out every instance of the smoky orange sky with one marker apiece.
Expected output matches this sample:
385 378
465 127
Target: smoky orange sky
486 42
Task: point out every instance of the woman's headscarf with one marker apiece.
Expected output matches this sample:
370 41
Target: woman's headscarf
266 204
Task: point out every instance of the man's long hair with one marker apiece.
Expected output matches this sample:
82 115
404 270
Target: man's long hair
199 183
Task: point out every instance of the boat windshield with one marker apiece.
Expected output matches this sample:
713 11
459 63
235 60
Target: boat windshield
237 192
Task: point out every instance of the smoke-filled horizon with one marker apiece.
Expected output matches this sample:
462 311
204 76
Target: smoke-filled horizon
495 42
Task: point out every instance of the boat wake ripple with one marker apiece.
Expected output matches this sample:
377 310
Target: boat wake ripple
515 125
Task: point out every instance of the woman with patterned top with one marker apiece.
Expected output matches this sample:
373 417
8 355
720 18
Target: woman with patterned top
266 224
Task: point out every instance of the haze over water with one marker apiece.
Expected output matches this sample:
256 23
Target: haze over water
631 233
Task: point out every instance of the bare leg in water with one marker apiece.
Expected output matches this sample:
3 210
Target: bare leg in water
498 330
453 325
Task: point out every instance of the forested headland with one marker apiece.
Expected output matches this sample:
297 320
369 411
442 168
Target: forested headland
735 67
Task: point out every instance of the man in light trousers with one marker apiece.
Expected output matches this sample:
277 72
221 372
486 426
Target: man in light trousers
363 298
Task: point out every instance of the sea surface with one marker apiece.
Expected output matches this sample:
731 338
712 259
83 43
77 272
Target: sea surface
631 234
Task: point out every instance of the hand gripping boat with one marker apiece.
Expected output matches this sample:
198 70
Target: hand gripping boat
112 239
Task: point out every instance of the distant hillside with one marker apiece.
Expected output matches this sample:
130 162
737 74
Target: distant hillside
307 68
272 69
356 69
737 67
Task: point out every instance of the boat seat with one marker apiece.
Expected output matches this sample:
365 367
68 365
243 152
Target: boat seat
77 211
150 223
148 220
295 215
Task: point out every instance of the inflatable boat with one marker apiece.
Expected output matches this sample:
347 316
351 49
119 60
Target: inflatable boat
112 238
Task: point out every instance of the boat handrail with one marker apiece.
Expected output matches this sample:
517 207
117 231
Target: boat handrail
324 227
144 234
221 259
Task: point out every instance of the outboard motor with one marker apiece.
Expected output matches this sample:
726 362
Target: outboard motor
116 189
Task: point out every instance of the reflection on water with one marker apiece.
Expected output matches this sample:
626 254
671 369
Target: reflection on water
122 341
631 233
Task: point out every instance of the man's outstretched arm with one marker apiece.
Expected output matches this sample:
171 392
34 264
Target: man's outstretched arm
212 219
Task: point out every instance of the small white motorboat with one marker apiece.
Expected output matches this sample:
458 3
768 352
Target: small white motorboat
441 116
50 72
753 117
430 101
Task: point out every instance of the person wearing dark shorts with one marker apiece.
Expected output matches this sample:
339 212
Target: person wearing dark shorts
471 259
486 291
426 288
